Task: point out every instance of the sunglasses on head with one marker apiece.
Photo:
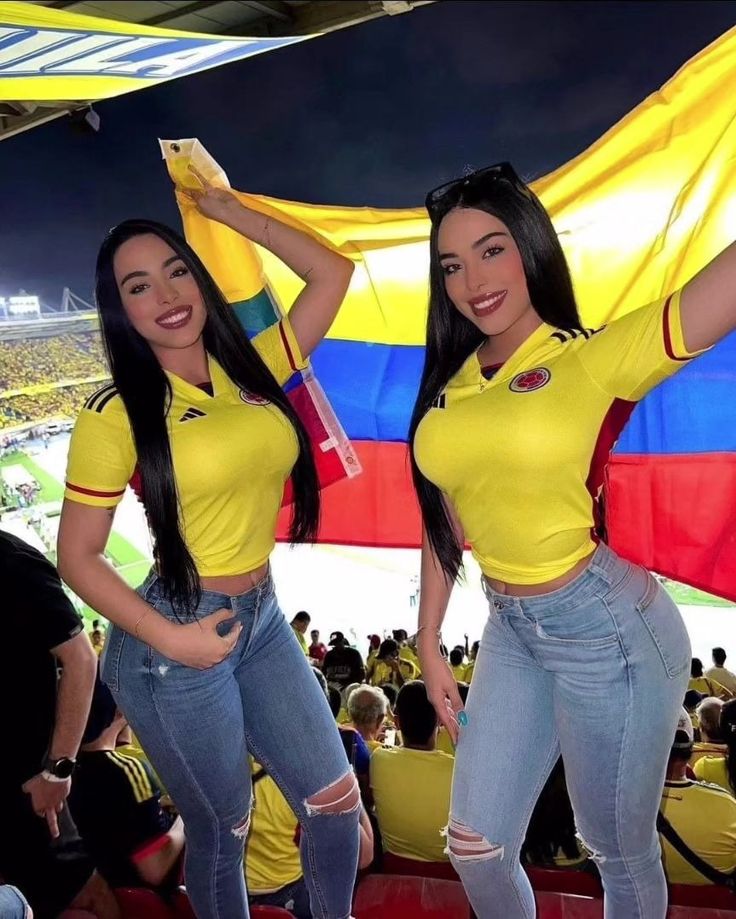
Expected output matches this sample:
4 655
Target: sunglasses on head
439 198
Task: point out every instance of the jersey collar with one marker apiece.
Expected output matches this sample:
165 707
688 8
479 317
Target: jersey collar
471 371
220 383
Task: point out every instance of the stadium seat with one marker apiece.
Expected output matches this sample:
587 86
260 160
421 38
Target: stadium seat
138 903
561 880
391 896
269 912
182 909
689 900
410 867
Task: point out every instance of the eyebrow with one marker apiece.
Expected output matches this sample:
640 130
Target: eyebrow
476 245
143 274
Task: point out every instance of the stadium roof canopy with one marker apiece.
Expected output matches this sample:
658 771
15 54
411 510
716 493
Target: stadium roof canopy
28 81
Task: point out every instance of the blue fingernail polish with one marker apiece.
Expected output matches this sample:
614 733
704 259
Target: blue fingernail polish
462 719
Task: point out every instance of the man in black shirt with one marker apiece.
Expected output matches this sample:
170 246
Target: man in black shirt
41 723
116 804
342 664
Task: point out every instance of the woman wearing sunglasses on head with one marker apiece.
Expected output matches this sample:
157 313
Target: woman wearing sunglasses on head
200 658
583 653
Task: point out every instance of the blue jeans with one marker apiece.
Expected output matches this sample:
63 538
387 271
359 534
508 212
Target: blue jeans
596 670
198 727
13 905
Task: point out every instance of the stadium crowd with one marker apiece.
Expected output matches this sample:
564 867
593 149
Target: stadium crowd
121 830
55 359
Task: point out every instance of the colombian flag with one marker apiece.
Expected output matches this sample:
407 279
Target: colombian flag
638 214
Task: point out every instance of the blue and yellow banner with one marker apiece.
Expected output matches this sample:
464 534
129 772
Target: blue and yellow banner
49 55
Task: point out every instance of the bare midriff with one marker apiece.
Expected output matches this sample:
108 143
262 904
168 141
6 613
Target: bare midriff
235 584
534 590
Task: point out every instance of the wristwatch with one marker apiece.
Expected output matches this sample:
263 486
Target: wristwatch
58 770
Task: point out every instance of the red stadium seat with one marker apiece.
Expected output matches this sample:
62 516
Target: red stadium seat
410 867
138 903
561 880
183 909
390 896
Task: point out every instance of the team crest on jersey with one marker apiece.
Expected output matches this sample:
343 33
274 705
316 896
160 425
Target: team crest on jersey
252 399
530 380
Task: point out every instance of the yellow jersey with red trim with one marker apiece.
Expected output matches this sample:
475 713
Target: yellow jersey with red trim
522 456
232 453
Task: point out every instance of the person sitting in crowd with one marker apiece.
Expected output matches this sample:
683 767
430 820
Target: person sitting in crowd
720 768
97 637
551 840
300 624
411 783
391 693
356 749
457 664
317 648
390 668
273 869
711 743
705 685
692 700
116 804
702 816
367 709
472 657
407 650
374 643
342 665
720 673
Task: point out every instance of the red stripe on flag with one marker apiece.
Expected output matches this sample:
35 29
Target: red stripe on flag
376 508
666 512
287 347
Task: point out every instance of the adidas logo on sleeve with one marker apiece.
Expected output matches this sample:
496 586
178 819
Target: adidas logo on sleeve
191 413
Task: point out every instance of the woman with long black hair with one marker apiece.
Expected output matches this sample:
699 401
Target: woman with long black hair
200 658
583 652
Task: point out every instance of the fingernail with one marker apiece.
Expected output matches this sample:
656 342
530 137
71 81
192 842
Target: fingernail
462 719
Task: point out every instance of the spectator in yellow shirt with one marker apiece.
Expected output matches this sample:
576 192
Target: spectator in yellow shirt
720 769
457 664
706 685
367 709
720 673
407 652
411 783
711 743
97 637
390 668
703 816
300 624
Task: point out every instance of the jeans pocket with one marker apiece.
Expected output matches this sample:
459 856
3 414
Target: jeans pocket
110 658
665 625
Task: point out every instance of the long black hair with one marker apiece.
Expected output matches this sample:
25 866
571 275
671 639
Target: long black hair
146 394
728 732
451 338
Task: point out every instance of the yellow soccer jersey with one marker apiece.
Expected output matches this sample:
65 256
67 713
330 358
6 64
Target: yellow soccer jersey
411 790
272 849
522 456
714 770
232 455
704 817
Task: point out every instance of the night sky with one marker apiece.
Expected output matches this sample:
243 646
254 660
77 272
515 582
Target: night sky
374 114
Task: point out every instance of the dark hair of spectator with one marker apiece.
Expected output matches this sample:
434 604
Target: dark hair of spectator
696 667
391 692
719 657
146 393
302 616
456 657
389 648
416 715
451 338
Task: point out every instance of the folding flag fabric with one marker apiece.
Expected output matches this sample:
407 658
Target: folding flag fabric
233 262
638 214
49 54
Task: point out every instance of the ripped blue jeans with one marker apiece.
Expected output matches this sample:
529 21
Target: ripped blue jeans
198 727
596 670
